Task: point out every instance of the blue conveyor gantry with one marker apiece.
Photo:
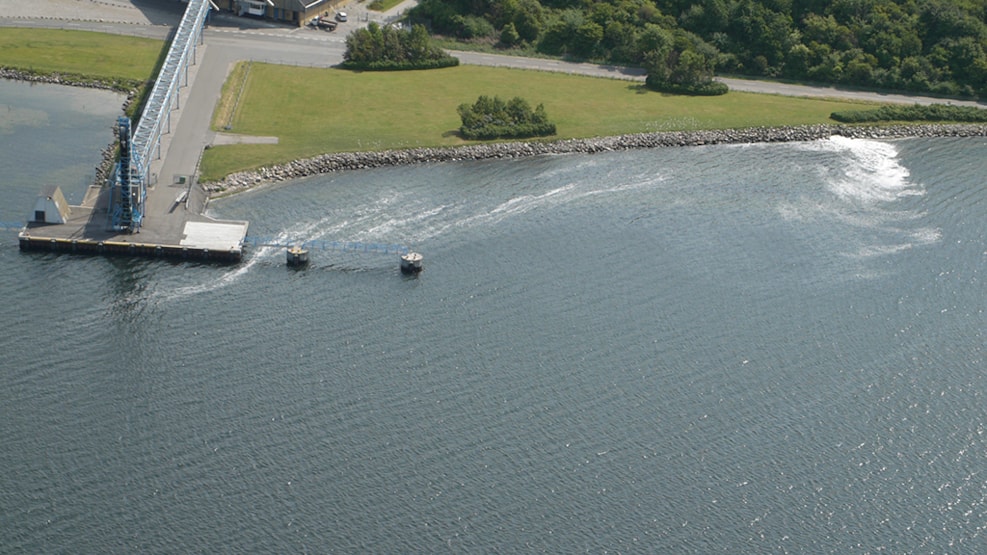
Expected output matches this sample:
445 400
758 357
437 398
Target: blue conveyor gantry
131 180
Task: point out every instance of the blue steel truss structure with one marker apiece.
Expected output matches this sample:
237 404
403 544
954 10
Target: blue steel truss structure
144 145
129 190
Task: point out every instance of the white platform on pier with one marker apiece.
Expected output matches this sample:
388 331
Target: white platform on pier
215 236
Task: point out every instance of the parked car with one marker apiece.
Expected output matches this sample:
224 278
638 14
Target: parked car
340 16
320 22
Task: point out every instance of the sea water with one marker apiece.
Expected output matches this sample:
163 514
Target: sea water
724 349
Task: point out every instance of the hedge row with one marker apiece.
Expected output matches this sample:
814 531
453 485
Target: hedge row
520 131
390 65
713 88
915 112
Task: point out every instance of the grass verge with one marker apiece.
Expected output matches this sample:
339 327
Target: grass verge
383 5
120 63
315 111
95 55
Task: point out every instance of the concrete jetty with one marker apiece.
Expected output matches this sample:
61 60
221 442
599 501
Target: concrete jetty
172 227
172 222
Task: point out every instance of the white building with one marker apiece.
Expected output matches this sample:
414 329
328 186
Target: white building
50 207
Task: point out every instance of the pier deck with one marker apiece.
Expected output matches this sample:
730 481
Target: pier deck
174 224
172 228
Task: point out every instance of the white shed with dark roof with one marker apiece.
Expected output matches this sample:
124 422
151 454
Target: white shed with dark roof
51 207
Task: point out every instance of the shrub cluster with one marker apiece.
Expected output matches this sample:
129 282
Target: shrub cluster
916 112
377 48
492 118
712 88
392 65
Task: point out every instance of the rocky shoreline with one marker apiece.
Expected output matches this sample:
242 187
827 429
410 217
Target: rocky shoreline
327 163
363 160
52 79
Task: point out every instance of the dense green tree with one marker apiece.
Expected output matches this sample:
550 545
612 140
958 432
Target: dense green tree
825 30
683 64
376 47
765 32
509 35
706 17
587 40
471 27
525 15
927 45
619 41
492 118
798 60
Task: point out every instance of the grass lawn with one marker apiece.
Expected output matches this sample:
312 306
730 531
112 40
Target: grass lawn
315 111
108 57
383 5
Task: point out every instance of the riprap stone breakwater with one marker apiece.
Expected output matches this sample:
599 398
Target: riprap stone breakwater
364 160
67 80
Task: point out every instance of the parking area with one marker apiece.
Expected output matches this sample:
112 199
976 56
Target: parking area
138 12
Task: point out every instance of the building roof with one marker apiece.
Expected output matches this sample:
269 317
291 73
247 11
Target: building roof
299 5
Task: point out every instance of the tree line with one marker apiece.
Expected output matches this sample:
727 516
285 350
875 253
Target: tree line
929 46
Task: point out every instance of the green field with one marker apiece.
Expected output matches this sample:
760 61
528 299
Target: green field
94 55
383 5
315 111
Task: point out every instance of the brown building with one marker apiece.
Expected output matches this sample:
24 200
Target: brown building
296 12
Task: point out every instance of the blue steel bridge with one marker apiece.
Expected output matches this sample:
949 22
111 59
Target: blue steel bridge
143 144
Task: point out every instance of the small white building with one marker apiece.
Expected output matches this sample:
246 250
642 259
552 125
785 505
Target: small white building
51 207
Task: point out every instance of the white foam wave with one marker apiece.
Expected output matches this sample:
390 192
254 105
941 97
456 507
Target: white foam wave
476 217
227 278
927 236
863 180
916 238
871 172
872 251
524 203
224 280
511 207
391 227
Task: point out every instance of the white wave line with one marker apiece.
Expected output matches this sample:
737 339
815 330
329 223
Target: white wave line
227 278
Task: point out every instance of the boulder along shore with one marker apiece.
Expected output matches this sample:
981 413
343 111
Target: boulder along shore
327 163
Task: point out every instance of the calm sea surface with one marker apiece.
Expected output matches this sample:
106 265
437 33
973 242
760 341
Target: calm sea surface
730 349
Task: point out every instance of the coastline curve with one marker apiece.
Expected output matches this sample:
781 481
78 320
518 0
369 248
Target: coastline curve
328 163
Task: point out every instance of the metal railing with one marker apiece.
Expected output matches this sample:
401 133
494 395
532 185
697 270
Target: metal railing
319 244
156 117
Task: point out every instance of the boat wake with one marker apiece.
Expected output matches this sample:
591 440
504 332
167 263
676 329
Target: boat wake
226 279
871 173
869 188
